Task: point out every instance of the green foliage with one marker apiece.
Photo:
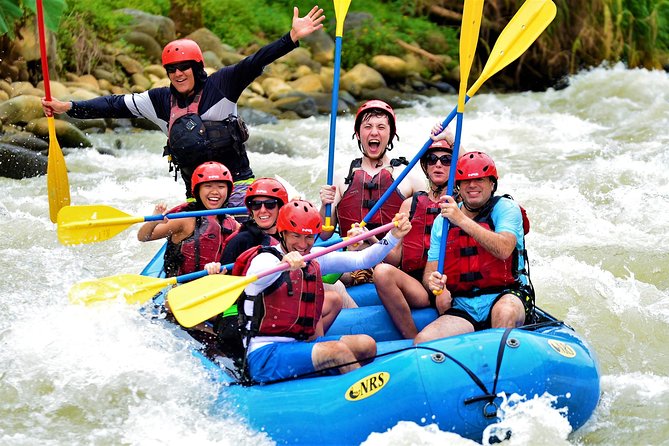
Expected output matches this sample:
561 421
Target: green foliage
241 22
13 12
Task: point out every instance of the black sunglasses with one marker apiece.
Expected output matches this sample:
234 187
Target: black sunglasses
181 66
255 205
445 159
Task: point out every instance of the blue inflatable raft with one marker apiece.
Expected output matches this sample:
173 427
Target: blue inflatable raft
457 383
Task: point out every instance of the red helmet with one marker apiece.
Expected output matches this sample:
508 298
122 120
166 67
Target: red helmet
378 106
210 171
180 51
475 165
299 216
268 187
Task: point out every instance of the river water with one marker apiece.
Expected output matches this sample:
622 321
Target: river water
589 163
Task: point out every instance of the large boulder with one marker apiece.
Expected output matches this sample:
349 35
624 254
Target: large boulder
151 48
208 41
391 67
321 45
160 28
17 162
67 134
361 77
25 140
299 103
21 110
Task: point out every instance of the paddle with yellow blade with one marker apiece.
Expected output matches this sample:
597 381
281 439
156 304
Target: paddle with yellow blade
58 186
95 223
202 299
524 28
341 8
134 288
469 36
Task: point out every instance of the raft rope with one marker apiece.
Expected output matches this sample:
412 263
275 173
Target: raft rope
490 396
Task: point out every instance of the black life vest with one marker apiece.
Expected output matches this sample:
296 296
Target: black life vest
417 242
362 194
192 141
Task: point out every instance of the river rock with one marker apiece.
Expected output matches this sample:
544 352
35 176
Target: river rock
21 110
3 96
58 89
89 79
212 60
324 104
146 42
141 81
308 84
161 28
300 103
67 134
102 74
391 67
96 125
396 99
359 77
6 87
300 56
254 117
156 70
25 140
130 65
274 87
321 45
25 88
208 41
230 58
17 162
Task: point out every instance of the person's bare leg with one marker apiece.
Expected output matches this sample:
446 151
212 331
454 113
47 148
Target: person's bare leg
508 312
349 350
444 327
399 293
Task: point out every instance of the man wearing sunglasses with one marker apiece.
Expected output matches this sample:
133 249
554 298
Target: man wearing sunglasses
198 112
486 281
401 282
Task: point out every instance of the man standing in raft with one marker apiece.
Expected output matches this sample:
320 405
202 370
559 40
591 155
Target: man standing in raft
486 280
198 112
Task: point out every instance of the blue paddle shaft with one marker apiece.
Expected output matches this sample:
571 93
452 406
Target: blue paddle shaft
412 163
197 274
334 106
222 211
449 192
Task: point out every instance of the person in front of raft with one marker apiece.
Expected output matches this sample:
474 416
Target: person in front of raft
281 313
198 113
195 242
485 275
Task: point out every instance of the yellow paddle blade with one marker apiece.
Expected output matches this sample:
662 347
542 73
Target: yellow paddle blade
341 9
131 287
57 184
91 223
524 28
469 37
204 298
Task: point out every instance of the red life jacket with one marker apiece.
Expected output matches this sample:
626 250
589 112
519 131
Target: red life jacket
291 306
205 245
470 269
362 194
417 242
